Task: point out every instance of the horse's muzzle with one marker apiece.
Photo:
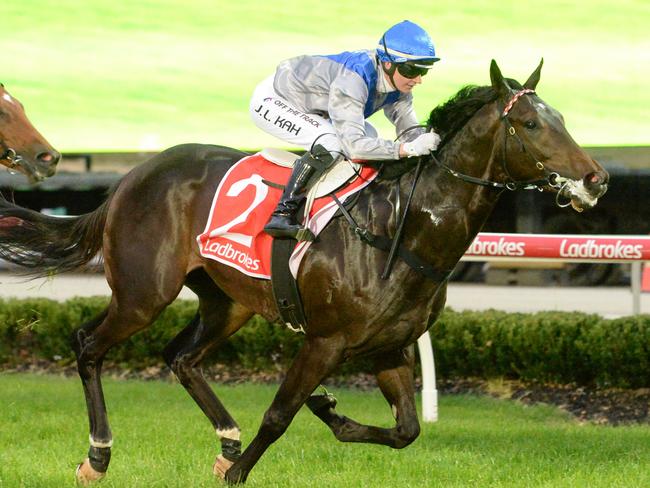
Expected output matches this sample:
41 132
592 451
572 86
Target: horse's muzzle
584 194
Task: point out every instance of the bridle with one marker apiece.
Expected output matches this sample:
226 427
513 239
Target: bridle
552 179
11 156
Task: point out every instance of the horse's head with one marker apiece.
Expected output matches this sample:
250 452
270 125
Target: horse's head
537 146
22 147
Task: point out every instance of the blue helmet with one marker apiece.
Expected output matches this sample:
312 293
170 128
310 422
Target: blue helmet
404 42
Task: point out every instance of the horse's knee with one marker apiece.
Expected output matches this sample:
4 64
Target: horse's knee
180 363
274 424
407 432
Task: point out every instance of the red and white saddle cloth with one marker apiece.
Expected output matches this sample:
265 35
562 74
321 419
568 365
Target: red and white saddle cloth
243 205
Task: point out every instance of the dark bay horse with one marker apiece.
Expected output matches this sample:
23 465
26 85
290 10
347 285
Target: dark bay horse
22 147
494 137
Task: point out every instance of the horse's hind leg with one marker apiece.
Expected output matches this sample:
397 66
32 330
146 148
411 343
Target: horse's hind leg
395 378
94 467
91 342
315 360
218 318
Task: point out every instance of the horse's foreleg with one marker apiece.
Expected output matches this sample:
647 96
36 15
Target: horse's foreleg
217 320
395 378
315 360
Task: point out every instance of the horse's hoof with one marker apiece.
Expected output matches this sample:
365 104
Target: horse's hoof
221 465
235 476
86 474
318 403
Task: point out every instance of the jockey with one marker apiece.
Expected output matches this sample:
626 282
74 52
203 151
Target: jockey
321 103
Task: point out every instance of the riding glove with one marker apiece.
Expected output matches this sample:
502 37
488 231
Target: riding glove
423 144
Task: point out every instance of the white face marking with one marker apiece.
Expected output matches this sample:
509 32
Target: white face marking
7 97
541 106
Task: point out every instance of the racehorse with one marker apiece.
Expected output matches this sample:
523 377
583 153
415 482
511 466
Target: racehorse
495 138
22 147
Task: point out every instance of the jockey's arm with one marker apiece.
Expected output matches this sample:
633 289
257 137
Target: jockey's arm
418 140
346 111
402 115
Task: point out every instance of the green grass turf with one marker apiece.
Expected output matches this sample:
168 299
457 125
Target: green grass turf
162 439
102 74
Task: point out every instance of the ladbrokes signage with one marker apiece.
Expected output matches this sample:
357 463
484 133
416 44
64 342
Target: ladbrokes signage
586 248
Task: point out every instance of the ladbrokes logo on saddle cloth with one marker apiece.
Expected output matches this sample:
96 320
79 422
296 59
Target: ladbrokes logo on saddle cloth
243 204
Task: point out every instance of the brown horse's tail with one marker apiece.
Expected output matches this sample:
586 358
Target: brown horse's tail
45 245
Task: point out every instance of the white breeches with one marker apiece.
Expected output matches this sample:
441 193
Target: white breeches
276 116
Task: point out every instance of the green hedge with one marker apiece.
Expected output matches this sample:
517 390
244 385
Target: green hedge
545 347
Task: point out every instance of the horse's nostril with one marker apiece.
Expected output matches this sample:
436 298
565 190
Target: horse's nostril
594 179
49 157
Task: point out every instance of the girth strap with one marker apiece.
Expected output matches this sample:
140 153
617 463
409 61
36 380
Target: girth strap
285 288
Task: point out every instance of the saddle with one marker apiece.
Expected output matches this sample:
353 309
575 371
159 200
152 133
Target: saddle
327 182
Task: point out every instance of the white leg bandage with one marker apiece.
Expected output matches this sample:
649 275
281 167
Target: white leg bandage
102 444
233 434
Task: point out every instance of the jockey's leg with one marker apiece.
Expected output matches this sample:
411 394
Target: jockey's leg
283 219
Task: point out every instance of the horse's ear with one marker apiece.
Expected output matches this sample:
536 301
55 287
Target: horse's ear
498 82
533 79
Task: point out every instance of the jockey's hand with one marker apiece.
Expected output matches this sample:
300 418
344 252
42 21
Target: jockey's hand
423 144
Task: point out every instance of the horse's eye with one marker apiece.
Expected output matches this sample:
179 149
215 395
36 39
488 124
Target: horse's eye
530 124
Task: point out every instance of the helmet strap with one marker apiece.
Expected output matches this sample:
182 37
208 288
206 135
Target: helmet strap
390 72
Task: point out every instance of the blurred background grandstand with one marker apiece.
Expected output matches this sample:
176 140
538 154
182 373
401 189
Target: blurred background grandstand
110 83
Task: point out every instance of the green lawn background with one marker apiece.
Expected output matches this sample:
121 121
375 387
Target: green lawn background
162 439
104 75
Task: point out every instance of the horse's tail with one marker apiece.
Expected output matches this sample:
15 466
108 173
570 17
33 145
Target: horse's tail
47 245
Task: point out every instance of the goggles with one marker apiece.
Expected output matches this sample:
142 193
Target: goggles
410 70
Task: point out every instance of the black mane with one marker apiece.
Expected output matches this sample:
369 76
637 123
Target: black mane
451 116
447 119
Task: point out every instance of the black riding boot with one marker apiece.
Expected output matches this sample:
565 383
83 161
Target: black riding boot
283 219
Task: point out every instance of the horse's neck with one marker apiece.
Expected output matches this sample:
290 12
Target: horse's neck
448 212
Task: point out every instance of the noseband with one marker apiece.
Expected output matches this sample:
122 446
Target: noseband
551 179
